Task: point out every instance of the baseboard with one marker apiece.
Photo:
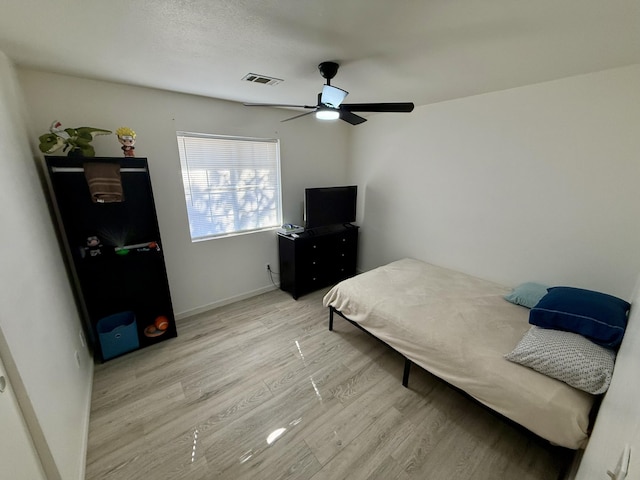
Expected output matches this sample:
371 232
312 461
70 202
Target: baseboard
222 303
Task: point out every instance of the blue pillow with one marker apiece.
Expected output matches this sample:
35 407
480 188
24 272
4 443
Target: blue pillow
597 316
527 294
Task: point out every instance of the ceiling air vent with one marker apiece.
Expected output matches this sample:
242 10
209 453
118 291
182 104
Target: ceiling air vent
263 79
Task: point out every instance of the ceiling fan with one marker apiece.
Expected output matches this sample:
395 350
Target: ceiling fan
330 106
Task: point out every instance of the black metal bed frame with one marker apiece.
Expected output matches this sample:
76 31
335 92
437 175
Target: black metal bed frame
407 362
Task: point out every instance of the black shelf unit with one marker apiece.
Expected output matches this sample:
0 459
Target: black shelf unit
110 279
317 258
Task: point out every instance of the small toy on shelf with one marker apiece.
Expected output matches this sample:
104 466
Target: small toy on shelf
158 327
127 138
93 247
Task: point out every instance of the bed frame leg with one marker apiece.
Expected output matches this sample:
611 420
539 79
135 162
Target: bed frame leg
405 375
330 319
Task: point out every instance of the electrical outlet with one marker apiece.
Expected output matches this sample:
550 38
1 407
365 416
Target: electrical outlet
267 266
78 358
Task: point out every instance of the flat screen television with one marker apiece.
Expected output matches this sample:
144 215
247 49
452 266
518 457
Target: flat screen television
329 206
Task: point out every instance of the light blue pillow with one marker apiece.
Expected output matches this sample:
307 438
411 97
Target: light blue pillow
528 294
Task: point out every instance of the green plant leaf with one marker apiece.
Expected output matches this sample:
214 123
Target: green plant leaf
50 142
88 150
91 132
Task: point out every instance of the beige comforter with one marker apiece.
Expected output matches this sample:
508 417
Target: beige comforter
459 327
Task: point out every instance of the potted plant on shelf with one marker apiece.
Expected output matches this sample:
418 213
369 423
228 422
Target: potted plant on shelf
76 140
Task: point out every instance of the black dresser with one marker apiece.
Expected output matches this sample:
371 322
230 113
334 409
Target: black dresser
317 258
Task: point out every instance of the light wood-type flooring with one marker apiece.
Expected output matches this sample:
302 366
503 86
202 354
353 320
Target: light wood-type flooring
261 389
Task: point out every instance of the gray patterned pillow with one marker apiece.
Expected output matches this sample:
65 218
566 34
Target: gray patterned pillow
566 356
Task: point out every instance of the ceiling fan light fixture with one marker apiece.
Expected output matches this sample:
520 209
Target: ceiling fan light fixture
332 96
327 114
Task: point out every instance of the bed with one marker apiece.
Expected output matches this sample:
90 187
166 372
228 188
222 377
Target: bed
459 328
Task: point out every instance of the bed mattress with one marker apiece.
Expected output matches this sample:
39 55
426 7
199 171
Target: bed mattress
459 327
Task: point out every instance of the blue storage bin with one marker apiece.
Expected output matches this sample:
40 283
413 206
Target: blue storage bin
118 334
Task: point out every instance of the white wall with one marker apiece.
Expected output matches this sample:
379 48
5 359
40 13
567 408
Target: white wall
210 273
618 421
39 322
536 183
18 456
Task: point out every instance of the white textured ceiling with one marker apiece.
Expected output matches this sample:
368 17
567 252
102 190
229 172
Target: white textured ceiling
423 51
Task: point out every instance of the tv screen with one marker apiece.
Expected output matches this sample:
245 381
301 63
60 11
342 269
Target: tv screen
329 206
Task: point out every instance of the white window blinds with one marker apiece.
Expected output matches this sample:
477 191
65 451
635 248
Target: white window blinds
231 184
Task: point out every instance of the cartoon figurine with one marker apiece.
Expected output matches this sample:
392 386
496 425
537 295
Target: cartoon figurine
127 138
94 246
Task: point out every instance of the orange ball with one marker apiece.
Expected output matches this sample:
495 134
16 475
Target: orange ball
162 323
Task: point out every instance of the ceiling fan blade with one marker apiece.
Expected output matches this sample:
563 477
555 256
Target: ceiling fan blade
332 96
351 118
399 107
277 105
298 116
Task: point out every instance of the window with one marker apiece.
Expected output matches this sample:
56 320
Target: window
231 184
